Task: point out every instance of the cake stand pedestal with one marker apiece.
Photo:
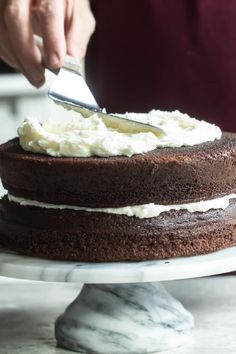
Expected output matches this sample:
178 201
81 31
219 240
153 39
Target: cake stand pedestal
123 308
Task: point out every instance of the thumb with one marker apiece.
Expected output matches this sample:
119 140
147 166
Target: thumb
79 28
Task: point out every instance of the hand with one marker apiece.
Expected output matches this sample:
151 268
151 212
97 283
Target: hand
64 25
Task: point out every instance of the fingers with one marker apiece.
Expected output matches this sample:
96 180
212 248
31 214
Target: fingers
79 28
65 26
7 56
17 18
51 20
6 52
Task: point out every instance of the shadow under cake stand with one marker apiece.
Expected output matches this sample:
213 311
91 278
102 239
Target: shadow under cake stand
122 308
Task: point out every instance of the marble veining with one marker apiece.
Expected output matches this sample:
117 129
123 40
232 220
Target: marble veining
121 319
27 321
124 319
17 266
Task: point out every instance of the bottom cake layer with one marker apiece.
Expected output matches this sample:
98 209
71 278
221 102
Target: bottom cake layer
98 237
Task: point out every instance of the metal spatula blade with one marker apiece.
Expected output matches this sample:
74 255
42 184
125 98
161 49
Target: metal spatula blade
70 87
70 90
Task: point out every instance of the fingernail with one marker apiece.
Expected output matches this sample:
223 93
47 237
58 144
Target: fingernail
37 76
53 61
39 83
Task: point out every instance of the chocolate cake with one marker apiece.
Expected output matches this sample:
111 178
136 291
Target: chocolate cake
163 176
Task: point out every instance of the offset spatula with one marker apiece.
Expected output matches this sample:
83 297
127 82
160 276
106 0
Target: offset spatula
70 90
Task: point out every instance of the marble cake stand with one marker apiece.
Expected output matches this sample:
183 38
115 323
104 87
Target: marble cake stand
123 308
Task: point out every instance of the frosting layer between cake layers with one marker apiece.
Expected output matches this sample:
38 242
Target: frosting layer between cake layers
140 211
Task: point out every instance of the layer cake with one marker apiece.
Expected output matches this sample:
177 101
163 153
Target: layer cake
166 202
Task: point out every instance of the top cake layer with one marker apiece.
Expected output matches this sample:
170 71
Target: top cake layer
161 176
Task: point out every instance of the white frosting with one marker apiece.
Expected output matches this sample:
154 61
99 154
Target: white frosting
76 136
141 211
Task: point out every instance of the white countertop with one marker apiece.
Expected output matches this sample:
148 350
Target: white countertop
28 311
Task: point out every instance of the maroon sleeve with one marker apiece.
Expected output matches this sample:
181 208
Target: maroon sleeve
166 54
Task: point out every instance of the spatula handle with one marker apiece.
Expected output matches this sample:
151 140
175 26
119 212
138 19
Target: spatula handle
70 62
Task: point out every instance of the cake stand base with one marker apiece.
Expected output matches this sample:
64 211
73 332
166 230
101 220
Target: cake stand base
123 318
134 314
